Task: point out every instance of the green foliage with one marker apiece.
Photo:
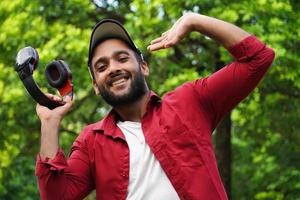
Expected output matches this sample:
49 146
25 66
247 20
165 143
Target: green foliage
266 126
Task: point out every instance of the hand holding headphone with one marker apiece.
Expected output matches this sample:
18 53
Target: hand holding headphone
57 73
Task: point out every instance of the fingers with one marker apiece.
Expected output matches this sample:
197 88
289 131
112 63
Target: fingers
68 102
159 42
166 40
165 33
159 39
45 114
53 97
170 37
164 43
156 46
68 99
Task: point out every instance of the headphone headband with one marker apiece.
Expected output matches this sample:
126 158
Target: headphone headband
57 73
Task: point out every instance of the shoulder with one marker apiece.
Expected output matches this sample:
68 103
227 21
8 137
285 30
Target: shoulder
89 130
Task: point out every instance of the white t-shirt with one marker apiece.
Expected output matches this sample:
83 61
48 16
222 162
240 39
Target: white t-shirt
147 180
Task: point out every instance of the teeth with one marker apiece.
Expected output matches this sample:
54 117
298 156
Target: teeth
119 81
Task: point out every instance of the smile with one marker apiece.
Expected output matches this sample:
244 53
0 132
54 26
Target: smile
118 82
118 79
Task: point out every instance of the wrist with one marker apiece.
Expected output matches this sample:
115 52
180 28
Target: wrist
192 21
49 140
50 126
51 121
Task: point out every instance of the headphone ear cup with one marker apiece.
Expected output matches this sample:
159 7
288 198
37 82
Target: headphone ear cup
56 73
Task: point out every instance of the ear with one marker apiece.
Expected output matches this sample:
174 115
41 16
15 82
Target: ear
96 89
145 68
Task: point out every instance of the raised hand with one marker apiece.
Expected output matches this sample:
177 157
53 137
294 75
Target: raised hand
171 37
58 113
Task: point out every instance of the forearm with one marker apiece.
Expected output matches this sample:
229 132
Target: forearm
50 122
225 33
49 138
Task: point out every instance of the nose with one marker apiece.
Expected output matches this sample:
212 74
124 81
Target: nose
114 67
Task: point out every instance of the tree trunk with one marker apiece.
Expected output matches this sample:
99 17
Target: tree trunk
223 151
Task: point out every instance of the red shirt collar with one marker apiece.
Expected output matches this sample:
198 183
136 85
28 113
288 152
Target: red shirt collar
108 125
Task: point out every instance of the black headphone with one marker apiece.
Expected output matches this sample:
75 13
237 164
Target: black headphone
57 73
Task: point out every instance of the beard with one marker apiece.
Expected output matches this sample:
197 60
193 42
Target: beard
137 89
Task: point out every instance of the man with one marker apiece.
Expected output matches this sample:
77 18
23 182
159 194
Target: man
148 147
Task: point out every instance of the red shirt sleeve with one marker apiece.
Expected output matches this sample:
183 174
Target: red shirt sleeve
58 163
225 88
61 178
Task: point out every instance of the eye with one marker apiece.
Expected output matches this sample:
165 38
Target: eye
123 59
100 67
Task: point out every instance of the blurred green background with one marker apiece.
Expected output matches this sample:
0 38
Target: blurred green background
264 128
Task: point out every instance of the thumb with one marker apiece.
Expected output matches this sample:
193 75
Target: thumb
68 103
68 99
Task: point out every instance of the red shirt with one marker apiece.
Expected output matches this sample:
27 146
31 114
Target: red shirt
177 129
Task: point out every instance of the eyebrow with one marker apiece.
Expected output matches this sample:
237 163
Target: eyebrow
116 53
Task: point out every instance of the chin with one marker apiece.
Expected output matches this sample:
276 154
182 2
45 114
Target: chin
121 93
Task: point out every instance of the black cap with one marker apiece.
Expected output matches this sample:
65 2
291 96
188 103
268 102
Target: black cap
106 29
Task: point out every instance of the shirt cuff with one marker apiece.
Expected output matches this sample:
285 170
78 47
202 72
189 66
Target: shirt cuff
247 48
58 163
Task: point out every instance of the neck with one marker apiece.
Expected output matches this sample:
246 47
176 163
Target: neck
133 111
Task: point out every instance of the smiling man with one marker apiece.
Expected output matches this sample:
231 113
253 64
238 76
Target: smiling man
118 72
149 147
